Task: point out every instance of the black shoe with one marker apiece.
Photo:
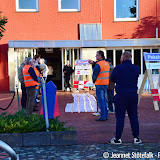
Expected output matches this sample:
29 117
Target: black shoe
100 119
35 110
64 90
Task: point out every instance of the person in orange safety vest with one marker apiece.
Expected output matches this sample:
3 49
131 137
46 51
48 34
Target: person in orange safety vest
100 77
30 81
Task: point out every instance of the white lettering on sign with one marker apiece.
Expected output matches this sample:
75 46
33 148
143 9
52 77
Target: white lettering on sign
153 65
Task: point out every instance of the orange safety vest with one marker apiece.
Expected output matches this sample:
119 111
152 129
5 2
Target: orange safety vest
103 76
159 71
28 80
37 73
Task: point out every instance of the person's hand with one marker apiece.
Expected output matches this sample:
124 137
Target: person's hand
90 61
64 71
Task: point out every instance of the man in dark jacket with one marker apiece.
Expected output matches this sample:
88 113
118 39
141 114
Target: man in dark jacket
23 88
110 88
67 74
126 77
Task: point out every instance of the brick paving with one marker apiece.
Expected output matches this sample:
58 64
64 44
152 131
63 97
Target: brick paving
92 134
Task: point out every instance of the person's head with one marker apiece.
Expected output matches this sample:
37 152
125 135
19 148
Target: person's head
30 61
42 61
100 55
126 56
109 60
37 58
25 60
67 63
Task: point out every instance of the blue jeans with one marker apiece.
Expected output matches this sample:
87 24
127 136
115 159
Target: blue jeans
110 95
101 93
127 103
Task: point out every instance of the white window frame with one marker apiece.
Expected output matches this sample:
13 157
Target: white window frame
27 10
69 10
127 19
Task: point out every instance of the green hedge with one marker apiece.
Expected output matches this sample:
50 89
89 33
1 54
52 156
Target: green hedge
21 123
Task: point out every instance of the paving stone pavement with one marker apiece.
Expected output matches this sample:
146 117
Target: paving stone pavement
90 152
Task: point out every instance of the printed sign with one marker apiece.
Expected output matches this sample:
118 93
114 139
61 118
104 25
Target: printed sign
153 65
82 72
83 67
152 56
82 62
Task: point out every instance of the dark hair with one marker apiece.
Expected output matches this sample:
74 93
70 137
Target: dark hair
108 60
101 53
36 56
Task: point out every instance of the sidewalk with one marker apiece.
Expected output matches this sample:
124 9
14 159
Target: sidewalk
93 132
92 135
89 152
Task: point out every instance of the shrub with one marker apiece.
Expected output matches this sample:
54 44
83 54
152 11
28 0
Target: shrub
21 123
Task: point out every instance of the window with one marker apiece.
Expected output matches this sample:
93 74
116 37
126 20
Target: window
126 10
69 5
27 5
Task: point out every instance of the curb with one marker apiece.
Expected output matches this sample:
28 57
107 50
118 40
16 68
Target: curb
40 138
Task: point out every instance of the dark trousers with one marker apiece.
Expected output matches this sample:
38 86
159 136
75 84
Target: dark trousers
24 96
110 95
66 84
127 103
30 100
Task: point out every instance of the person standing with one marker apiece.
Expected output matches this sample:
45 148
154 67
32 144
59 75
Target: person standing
23 88
67 75
110 88
125 76
101 79
37 71
30 81
44 68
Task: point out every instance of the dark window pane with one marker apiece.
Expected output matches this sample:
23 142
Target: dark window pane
110 55
125 8
155 50
27 4
69 4
118 56
128 50
137 58
155 71
144 65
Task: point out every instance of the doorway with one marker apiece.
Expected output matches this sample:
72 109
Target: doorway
52 57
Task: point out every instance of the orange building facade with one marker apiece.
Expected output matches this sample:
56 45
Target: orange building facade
61 30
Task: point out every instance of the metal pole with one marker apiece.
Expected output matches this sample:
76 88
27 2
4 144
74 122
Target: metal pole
8 150
45 104
18 97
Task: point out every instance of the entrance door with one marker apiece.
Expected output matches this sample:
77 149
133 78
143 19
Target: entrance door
53 61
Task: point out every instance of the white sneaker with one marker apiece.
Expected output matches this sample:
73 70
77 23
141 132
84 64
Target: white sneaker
37 100
137 141
114 141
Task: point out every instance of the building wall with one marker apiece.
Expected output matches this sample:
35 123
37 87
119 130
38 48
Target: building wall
149 14
49 24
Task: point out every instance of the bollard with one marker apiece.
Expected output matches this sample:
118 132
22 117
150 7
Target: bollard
18 97
45 104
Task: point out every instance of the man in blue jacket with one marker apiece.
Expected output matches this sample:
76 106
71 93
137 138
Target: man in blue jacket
126 77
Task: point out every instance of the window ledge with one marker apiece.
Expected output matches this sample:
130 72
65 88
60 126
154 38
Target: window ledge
27 10
126 19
